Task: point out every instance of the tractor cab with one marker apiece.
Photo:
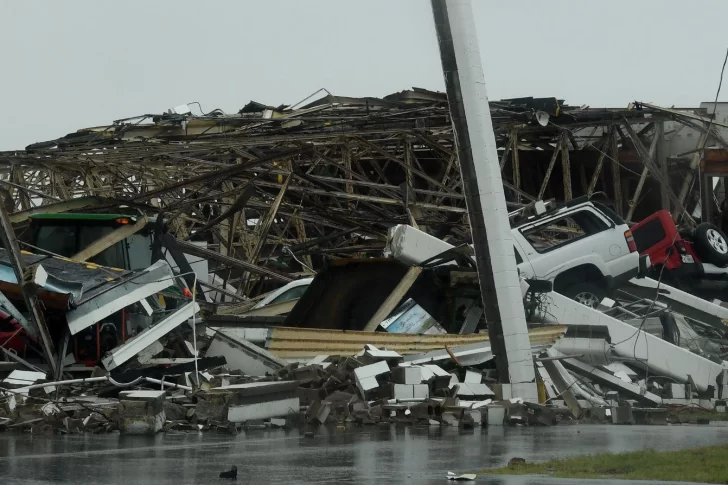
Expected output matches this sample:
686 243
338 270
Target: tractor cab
69 234
77 236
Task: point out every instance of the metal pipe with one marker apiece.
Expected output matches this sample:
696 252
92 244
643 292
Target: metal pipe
63 383
89 380
171 385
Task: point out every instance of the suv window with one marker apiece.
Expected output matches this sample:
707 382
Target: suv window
565 230
609 212
649 234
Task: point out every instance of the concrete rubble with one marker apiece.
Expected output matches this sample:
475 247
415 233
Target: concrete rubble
618 363
374 386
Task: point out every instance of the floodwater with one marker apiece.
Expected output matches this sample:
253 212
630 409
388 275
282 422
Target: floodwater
384 454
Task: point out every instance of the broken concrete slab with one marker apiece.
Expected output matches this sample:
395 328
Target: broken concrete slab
174 411
677 391
261 400
622 414
318 411
212 406
472 418
598 375
366 376
448 418
496 415
243 356
472 377
407 375
308 374
141 412
373 354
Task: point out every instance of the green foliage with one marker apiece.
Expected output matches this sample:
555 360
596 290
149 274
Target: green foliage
707 464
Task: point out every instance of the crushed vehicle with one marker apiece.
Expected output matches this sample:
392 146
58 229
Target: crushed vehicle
694 260
584 248
290 291
118 251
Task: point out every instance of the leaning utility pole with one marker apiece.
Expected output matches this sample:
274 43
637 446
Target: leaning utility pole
7 234
480 168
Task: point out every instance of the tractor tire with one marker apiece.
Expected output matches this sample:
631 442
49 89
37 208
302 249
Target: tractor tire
711 244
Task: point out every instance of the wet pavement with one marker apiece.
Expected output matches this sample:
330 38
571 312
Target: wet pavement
378 455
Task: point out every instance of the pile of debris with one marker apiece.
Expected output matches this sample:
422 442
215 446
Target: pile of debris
368 388
208 272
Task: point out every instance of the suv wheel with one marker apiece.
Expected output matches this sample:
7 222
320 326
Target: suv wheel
711 244
586 293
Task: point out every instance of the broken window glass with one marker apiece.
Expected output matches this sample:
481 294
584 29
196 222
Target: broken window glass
563 231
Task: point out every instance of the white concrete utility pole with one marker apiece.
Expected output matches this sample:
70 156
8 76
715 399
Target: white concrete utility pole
483 186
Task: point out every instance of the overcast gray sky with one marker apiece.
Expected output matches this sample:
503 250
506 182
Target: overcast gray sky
73 64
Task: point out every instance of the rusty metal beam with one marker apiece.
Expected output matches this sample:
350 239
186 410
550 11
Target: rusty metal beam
656 139
552 163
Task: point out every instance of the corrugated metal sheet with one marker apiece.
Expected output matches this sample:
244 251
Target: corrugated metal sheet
288 342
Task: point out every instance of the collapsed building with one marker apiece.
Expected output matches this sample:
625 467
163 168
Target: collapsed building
320 255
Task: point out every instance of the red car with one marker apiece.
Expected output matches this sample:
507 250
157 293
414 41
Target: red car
694 260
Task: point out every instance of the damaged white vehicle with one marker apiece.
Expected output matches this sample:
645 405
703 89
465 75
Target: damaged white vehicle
583 247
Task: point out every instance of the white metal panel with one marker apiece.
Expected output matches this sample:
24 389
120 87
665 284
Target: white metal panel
263 410
663 358
242 355
133 347
154 279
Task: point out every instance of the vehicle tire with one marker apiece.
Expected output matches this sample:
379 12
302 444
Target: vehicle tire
587 294
711 244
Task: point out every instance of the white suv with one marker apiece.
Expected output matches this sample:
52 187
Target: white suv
584 247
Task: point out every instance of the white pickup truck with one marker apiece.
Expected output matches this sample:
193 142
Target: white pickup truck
582 246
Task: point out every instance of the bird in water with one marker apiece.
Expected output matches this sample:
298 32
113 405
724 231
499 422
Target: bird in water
231 474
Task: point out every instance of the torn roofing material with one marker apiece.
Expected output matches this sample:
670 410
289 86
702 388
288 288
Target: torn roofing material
68 282
102 301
